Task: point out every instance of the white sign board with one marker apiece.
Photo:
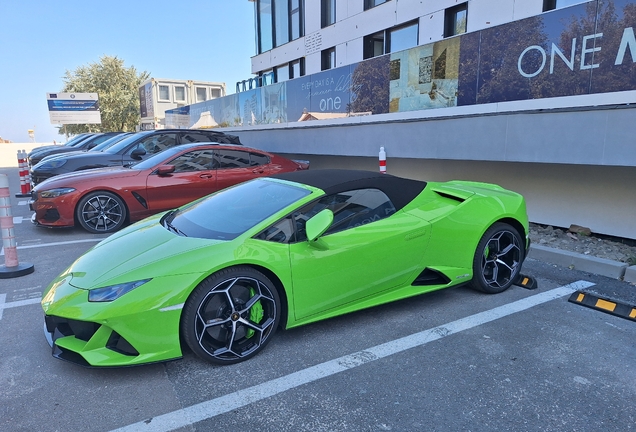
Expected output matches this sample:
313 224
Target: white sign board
73 108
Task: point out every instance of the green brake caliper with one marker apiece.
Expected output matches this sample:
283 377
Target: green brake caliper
256 313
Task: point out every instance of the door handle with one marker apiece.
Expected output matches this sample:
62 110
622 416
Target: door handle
206 176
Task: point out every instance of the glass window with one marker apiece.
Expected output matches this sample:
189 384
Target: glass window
281 22
368 4
296 14
373 45
164 93
192 137
233 159
157 142
327 13
328 59
297 68
265 36
282 73
403 37
350 210
557 4
179 93
199 160
455 20
258 159
202 94
215 93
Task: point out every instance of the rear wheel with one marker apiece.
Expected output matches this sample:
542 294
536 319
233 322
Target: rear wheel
101 212
498 259
231 315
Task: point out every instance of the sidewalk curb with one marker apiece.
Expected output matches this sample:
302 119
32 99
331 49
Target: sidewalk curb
601 266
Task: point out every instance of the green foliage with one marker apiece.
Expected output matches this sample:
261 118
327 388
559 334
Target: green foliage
118 91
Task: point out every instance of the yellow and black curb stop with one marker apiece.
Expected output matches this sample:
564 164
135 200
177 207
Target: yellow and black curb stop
613 307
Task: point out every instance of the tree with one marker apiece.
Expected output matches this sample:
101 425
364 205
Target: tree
118 91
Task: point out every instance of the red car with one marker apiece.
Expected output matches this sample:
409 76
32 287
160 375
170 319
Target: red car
102 200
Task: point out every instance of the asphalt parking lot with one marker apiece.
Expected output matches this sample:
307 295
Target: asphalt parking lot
451 360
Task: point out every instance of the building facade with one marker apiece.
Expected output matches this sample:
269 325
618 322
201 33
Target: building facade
535 95
156 95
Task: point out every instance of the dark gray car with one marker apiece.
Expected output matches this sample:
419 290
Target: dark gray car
83 145
127 151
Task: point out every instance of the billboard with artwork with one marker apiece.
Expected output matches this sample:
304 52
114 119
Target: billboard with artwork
583 49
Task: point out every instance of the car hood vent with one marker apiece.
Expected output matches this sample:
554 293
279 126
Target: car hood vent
431 277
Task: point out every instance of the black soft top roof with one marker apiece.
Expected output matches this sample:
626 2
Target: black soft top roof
400 191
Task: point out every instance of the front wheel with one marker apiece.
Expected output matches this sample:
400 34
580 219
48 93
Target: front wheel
498 259
101 212
231 315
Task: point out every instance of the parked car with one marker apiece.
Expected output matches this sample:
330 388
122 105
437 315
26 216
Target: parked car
99 147
221 274
134 148
102 200
84 145
70 143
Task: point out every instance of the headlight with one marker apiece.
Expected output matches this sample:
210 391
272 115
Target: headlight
54 193
108 294
50 165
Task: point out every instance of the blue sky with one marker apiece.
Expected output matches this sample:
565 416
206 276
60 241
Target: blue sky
206 40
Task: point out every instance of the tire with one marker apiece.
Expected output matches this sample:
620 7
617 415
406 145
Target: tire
101 212
498 259
231 316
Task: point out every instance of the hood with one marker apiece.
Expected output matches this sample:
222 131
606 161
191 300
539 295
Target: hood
141 251
100 174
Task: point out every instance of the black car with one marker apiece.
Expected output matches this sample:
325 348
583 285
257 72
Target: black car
83 145
72 142
130 150
99 147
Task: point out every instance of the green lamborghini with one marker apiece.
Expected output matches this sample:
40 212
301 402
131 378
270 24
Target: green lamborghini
223 273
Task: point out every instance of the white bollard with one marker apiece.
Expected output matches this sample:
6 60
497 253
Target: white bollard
382 161
11 267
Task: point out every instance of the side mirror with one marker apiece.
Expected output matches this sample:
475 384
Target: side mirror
138 153
91 145
317 225
164 170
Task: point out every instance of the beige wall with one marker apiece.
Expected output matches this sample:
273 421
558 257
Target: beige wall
9 152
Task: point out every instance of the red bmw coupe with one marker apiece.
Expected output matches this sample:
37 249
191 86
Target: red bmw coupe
102 200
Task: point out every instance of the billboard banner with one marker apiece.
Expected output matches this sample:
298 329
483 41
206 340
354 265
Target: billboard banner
73 108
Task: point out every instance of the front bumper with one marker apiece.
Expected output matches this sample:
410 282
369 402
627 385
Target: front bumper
112 334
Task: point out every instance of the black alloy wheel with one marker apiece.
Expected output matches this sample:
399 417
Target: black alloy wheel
498 259
231 315
101 212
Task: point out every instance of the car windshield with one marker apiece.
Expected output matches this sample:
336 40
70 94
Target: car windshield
78 140
121 145
229 213
110 142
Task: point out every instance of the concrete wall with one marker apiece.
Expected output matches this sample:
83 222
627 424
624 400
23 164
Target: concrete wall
9 152
574 167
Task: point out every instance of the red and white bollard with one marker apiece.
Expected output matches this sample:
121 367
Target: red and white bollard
25 177
382 161
11 267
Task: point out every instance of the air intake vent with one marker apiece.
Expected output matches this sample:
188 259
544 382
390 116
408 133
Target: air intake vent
447 195
431 277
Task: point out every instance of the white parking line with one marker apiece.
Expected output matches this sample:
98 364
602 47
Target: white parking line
55 244
17 219
211 408
23 202
18 303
